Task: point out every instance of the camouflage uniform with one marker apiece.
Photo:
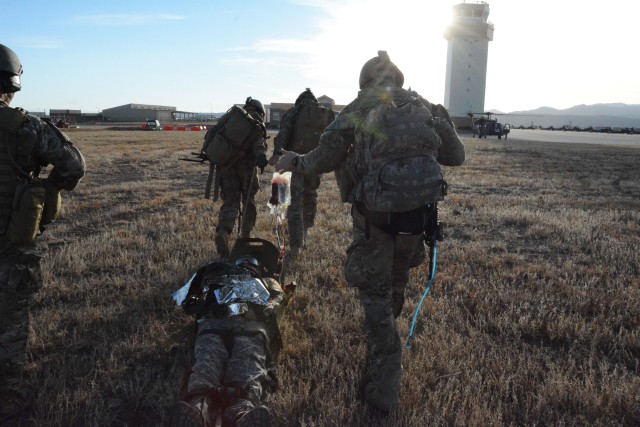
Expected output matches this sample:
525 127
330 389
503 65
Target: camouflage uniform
239 184
301 212
377 262
234 367
20 274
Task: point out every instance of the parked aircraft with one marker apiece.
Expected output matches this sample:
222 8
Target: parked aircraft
486 126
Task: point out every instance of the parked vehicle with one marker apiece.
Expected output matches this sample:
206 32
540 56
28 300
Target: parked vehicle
152 125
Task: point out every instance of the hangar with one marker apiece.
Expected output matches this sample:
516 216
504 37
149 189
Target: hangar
139 112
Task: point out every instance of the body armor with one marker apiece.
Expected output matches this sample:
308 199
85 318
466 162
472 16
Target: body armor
16 163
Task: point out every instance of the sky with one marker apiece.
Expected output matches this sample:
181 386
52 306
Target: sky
206 55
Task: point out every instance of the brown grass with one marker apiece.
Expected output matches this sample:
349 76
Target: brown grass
533 319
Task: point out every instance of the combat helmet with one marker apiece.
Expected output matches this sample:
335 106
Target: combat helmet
306 96
10 70
253 105
246 259
379 69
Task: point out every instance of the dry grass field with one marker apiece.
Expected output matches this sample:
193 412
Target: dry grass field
534 317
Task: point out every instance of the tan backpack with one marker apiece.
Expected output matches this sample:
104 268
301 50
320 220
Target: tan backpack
310 122
233 138
396 151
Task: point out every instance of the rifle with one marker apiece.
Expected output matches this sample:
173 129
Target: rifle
213 172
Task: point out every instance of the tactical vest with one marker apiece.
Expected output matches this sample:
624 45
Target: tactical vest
10 121
21 199
311 121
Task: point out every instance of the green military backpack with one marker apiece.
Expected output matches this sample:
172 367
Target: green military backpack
310 122
233 138
395 159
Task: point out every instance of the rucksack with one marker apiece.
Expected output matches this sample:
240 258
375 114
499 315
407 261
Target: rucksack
233 138
310 122
395 159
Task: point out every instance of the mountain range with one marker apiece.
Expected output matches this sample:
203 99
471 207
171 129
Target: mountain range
614 115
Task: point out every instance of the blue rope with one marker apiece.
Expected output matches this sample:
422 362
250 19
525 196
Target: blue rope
424 295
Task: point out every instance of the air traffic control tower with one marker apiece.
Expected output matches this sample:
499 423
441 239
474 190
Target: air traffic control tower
468 35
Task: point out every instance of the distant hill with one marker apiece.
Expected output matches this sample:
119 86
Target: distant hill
615 115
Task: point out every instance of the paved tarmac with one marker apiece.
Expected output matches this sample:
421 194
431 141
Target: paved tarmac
568 137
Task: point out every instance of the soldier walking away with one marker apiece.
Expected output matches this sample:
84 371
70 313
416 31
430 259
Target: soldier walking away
28 203
238 308
385 148
300 131
236 145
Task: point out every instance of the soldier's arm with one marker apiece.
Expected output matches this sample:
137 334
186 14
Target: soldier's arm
55 148
333 148
451 151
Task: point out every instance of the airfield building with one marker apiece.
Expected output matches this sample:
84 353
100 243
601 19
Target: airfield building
69 116
468 35
139 113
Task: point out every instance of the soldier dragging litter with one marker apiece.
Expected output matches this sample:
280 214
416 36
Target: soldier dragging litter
28 203
385 148
234 147
238 308
300 131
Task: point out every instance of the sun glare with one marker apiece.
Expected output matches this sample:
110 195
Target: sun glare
411 31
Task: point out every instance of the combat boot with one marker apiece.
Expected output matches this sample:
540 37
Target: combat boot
256 417
222 242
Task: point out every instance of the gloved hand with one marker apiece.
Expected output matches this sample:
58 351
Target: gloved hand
262 162
274 159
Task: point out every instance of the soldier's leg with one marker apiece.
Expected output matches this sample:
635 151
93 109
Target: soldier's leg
211 358
231 193
250 186
310 201
295 218
18 282
369 267
230 187
405 247
247 370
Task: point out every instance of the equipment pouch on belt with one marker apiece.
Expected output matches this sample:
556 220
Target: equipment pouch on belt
52 204
28 205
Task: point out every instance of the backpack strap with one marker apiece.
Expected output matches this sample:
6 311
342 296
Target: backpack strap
12 119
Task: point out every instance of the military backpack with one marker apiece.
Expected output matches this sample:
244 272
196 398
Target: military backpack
310 122
233 138
395 149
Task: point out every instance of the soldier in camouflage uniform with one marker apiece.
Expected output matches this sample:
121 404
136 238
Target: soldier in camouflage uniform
239 184
27 204
237 341
377 261
300 131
